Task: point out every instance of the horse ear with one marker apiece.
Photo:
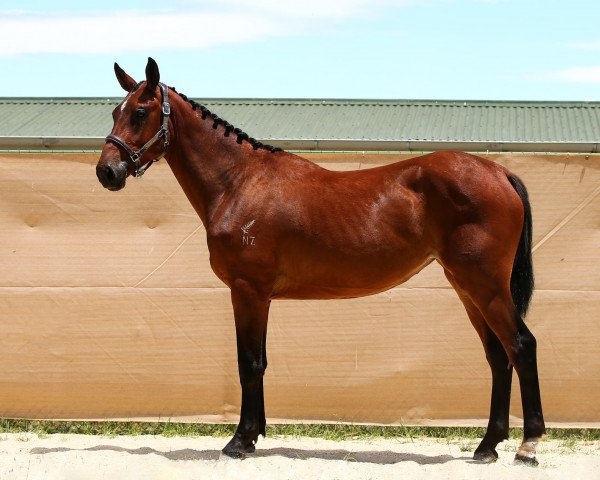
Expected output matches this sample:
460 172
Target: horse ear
152 75
124 80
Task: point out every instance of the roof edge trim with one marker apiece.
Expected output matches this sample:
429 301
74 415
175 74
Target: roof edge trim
95 143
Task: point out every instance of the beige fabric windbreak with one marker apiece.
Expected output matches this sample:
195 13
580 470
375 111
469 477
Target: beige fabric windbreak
109 309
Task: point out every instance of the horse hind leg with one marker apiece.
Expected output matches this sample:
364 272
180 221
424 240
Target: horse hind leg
521 346
525 361
490 293
498 424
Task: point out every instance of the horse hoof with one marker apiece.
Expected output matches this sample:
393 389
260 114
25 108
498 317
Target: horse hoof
524 460
485 456
234 453
235 449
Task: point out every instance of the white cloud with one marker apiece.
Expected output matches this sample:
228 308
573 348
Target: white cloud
593 45
573 75
129 31
231 21
316 9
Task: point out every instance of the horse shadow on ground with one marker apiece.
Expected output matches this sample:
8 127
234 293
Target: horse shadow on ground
375 457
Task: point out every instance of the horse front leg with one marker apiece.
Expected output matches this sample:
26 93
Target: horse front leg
251 312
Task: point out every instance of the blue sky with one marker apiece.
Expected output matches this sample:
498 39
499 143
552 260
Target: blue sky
424 49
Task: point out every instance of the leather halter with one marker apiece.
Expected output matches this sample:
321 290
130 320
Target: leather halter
163 132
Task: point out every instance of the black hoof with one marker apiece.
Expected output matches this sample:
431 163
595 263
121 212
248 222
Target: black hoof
233 453
523 460
485 456
236 449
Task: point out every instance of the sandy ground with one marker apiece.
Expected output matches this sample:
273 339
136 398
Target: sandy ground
25 456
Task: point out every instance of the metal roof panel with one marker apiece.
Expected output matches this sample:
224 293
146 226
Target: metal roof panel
333 120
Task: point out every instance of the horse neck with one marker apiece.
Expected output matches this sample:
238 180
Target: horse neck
205 162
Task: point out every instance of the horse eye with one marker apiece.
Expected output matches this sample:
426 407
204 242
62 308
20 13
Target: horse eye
140 112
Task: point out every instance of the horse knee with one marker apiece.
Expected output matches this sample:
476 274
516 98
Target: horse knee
251 369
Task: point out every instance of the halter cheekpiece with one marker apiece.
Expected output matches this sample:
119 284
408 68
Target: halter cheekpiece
163 132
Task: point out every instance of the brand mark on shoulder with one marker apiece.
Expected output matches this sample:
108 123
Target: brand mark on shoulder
247 227
246 238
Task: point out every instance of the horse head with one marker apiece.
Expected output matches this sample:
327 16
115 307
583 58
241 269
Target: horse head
139 136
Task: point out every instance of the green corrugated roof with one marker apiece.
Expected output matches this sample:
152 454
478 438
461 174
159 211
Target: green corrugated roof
332 124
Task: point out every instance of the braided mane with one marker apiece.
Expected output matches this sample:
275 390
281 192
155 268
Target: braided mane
241 136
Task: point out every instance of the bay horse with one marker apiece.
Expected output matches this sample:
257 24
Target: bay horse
281 227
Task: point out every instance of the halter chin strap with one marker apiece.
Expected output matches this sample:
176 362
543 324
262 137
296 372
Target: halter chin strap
135 156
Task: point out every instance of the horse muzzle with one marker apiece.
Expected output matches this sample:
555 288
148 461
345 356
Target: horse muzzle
112 176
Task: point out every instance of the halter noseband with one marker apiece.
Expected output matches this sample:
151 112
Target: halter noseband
134 156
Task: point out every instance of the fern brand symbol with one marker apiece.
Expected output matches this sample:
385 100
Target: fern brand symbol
246 238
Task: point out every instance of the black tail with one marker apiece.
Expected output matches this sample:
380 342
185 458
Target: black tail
521 279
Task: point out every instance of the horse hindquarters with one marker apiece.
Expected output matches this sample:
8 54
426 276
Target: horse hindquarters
496 286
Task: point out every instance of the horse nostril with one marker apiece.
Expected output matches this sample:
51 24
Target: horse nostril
109 174
112 175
